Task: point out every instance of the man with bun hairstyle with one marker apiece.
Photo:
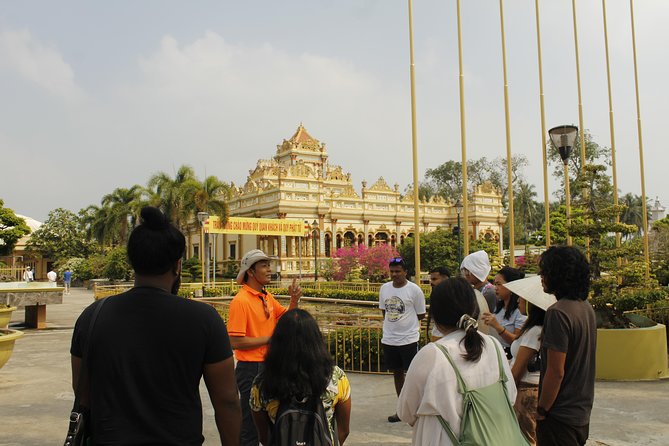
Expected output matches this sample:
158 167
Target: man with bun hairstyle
253 315
148 350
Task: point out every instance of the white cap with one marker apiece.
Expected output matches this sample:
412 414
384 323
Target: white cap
478 264
249 259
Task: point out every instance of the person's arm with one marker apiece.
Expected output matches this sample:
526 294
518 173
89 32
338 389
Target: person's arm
552 380
76 370
520 364
263 424
503 333
295 292
248 342
222 387
343 418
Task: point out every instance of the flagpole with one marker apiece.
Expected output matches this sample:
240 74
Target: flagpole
463 139
641 167
512 235
547 214
611 127
414 147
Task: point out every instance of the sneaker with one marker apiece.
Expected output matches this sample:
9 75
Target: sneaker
394 419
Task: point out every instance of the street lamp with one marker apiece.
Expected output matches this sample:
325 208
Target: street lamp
202 217
563 138
458 209
314 225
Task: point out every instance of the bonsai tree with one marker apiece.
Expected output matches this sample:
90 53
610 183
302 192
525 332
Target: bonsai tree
617 272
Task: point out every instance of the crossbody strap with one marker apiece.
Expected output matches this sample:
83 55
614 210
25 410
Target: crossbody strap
83 370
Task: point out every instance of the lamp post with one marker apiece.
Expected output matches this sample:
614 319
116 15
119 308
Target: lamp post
202 218
563 138
458 209
315 232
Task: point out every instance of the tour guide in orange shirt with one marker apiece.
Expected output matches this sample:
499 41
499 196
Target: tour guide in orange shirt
253 315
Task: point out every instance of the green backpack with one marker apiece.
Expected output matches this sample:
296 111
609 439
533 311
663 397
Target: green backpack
487 415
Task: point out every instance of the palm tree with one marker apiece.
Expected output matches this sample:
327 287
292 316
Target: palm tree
169 194
633 213
123 208
209 196
93 220
525 206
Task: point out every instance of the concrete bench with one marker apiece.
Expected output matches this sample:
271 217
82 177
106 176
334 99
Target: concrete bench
33 297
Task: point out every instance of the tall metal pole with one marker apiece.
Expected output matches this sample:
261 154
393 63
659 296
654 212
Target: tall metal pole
580 111
567 200
299 248
641 168
463 136
202 253
459 244
512 232
611 127
414 146
547 214
315 255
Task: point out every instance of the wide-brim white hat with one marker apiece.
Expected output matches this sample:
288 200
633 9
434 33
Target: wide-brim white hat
531 289
249 259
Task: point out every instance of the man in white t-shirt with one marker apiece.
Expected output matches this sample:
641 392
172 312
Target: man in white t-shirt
403 306
52 276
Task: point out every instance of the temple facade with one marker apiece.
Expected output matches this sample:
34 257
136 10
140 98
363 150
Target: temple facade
300 183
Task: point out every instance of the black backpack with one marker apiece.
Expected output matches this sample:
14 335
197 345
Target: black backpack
301 423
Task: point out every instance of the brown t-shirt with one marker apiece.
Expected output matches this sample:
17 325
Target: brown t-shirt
570 328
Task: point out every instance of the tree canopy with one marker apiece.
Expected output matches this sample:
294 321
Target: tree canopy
60 237
12 228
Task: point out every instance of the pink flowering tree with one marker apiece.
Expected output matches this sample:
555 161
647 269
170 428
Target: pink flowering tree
372 263
346 262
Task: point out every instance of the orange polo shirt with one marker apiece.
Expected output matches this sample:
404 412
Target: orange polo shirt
247 317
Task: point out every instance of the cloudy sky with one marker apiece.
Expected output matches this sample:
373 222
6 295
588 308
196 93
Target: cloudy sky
99 95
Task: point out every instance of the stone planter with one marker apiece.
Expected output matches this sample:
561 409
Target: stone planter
6 315
7 338
632 354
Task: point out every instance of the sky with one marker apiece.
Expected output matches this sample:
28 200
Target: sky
100 95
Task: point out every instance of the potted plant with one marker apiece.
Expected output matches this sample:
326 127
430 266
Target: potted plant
629 347
5 315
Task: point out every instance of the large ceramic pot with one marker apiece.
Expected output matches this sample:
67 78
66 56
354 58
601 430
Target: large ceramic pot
6 315
632 354
7 338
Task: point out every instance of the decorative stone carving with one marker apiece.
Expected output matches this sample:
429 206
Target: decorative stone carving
380 186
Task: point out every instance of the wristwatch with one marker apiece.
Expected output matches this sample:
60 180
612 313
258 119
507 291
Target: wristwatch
541 411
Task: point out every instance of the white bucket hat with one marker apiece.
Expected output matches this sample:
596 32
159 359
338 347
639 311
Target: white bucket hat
249 259
478 264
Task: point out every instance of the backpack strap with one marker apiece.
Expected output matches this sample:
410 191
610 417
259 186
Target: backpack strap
502 376
462 386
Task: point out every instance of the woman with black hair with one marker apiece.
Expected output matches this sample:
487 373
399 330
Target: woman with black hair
298 365
431 387
525 367
507 319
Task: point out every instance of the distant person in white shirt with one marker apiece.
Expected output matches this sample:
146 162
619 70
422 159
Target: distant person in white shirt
403 306
28 275
52 276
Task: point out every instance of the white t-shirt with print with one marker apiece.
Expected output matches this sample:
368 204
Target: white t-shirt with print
402 306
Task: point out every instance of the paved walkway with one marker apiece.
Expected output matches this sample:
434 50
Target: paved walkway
36 397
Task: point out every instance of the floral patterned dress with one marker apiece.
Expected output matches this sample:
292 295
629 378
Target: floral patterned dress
338 390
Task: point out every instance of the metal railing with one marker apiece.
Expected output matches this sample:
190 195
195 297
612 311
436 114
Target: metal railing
352 330
230 287
16 273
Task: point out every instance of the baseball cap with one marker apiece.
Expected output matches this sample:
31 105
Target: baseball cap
249 259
